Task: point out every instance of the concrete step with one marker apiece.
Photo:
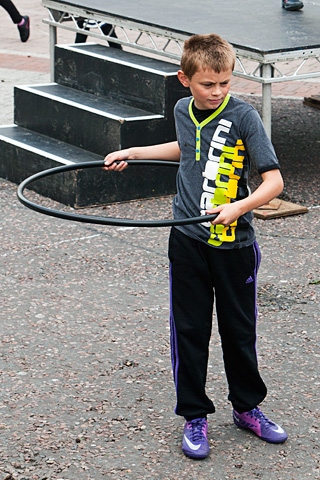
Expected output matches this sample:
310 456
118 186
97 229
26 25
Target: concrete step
93 123
103 100
25 152
131 79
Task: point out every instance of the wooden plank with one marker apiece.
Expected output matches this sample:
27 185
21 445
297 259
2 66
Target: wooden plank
278 208
313 101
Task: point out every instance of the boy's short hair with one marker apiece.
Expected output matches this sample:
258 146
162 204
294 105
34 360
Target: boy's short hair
207 52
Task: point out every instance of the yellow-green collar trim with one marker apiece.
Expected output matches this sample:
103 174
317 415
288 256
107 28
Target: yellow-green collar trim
199 126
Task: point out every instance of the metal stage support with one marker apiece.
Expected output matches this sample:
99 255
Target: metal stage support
271 45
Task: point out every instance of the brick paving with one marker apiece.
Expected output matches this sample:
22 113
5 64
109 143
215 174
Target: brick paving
20 62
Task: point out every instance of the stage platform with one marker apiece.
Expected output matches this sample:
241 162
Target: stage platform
272 45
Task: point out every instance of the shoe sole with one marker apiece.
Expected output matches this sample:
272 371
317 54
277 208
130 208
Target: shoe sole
292 9
262 438
195 457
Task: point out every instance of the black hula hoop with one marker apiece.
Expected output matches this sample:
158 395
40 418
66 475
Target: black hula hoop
123 222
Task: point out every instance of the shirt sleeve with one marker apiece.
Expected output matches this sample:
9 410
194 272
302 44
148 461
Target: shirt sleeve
257 143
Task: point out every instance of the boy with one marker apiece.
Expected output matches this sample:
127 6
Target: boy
218 137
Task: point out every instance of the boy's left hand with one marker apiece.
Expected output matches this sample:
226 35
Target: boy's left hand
227 214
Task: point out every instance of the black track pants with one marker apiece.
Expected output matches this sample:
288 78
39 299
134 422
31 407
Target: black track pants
200 275
12 10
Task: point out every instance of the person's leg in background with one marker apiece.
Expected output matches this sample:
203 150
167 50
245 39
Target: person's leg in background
22 22
106 28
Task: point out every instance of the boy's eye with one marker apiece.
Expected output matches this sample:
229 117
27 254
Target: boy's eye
209 85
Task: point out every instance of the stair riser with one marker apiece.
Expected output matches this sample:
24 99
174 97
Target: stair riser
147 89
74 124
86 187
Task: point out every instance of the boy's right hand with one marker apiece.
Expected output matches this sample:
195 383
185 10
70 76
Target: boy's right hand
115 161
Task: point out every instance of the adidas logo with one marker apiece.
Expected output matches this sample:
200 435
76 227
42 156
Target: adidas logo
249 279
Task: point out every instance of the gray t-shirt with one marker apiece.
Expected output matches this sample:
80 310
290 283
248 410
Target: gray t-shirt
216 156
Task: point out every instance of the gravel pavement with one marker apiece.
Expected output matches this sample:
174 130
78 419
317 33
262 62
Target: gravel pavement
86 383
85 362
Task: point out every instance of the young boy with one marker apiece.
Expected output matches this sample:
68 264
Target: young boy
218 137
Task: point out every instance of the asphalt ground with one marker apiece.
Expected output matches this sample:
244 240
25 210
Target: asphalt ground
86 381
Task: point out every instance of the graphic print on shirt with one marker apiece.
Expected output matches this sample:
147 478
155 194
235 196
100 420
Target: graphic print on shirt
222 172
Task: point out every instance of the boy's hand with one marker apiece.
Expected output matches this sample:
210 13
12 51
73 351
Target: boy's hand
115 161
227 214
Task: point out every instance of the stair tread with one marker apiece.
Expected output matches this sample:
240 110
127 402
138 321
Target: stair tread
85 101
141 62
45 145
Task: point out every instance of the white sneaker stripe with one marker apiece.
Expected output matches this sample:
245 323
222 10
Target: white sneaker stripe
191 445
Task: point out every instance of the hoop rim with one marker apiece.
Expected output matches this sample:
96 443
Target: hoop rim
113 221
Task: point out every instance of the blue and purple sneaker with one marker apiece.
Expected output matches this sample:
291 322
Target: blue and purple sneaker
256 421
195 443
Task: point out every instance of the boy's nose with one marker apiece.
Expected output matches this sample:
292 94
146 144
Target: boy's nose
216 90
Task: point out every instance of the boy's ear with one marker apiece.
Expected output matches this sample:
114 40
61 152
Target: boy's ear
183 79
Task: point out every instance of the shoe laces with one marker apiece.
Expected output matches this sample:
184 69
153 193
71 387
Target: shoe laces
259 415
197 429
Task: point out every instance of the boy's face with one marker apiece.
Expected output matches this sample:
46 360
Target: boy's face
207 87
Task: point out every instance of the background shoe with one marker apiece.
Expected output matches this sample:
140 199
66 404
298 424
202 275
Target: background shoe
292 5
24 29
258 423
195 443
